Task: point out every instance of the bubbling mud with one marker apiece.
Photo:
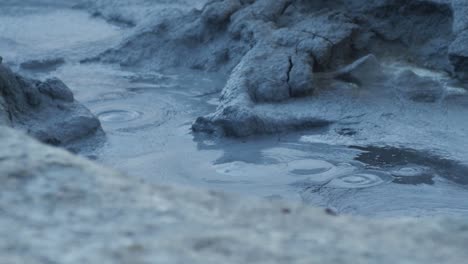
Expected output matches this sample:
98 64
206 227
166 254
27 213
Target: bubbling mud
309 167
129 112
118 116
414 175
360 180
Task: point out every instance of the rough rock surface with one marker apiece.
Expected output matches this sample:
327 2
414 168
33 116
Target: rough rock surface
279 51
57 208
418 89
46 110
458 54
45 64
129 13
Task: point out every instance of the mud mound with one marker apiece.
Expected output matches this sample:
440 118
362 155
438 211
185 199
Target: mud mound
47 110
52 201
278 51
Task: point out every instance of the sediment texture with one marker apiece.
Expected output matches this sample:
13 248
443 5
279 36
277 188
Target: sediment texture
57 208
46 110
278 52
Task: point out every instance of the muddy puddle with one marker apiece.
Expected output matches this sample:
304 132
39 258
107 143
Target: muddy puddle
147 119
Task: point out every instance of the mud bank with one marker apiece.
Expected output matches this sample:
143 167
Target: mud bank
129 13
283 56
46 110
59 208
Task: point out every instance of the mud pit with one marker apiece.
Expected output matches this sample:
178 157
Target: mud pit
364 145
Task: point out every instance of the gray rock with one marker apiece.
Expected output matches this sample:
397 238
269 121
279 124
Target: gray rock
4 117
300 77
56 89
364 71
418 88
45 64
46 110
267 74
251 84
238 121
217 12
458 55
276 52
52 201
309 46
190 40
130 13
418 31
415 24
460 9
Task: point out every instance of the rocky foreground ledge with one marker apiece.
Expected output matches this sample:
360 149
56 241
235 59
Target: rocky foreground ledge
58 208
47 110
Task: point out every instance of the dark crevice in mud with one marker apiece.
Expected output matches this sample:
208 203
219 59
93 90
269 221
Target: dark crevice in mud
208 94
53 142
348 132
413 7
115 20
348 78
285 7
10 114
317 67
427 165
43 65
316 35
288 76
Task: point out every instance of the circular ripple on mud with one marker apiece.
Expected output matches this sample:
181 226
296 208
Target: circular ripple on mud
116 116
364 179
413 175
244 169
128 115
243 172
309 167
317 171
410 171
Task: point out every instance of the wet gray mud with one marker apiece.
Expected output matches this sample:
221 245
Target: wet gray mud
349 166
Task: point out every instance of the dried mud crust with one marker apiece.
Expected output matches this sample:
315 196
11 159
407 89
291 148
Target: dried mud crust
281 51
47 110
52 201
